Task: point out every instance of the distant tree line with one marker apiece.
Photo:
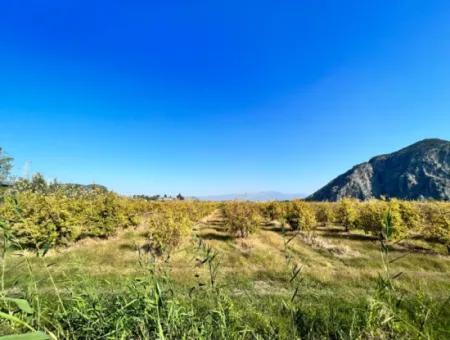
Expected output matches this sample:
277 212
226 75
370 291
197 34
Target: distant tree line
179 197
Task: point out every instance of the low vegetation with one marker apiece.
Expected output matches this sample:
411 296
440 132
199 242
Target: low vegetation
301 216
187 269
242 219
55 217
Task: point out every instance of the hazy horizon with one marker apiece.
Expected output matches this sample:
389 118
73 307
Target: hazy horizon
206 98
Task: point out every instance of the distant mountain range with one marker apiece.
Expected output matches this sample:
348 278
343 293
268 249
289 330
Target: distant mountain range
256 196
419 171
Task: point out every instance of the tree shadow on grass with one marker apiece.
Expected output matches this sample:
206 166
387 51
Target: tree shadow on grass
330 229
408 248
215 222
215 236
428 239
219 228
128 246
349 236
143 234
275 228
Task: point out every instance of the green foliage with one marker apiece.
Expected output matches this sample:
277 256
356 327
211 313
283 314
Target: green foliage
169 222
399 227
167 229
410 214
26 336
5 166
274 211
346 212
301 215
242 218
37 214
38 220
151 306
324 213
372 216
436 221
38 184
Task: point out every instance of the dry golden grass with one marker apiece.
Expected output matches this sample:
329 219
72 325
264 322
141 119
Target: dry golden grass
329 257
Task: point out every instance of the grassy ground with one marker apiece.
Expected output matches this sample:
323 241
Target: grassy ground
256 274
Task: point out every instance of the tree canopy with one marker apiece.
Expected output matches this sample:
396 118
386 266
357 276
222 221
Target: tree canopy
5 166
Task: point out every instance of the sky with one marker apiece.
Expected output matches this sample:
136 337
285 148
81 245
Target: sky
214 97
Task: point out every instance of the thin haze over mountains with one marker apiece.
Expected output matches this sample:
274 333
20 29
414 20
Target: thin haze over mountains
255 196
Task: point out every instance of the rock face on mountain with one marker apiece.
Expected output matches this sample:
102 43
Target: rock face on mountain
419 171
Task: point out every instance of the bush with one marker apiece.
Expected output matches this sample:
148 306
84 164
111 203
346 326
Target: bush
410 215
436 225
346 212
36 219
274 211
102 214
39 219
324 213
169 222
372 215
242 218
166 230
399 227
44 215
301 216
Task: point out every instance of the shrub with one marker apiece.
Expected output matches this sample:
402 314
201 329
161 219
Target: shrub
241 218
274 211
372 215
54 218
346 213
436 225
301 216
37 219
399 228
324 213
410 215
101 215
166 230
169 222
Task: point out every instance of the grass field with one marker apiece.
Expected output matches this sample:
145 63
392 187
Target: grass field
276 283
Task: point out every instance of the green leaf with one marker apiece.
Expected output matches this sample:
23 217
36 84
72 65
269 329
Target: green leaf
26 336
12 318
23 305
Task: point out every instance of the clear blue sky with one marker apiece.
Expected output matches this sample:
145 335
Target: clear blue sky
205 97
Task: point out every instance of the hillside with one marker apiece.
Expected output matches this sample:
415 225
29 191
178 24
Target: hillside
419 171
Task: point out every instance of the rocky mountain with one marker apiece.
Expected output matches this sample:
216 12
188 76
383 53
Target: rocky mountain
419 171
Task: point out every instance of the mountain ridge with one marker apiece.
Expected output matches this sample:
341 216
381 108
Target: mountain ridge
418 171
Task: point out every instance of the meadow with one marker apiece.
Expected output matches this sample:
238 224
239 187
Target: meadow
86 263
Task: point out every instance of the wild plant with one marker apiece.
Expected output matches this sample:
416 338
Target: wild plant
18 311
385 312
209 257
